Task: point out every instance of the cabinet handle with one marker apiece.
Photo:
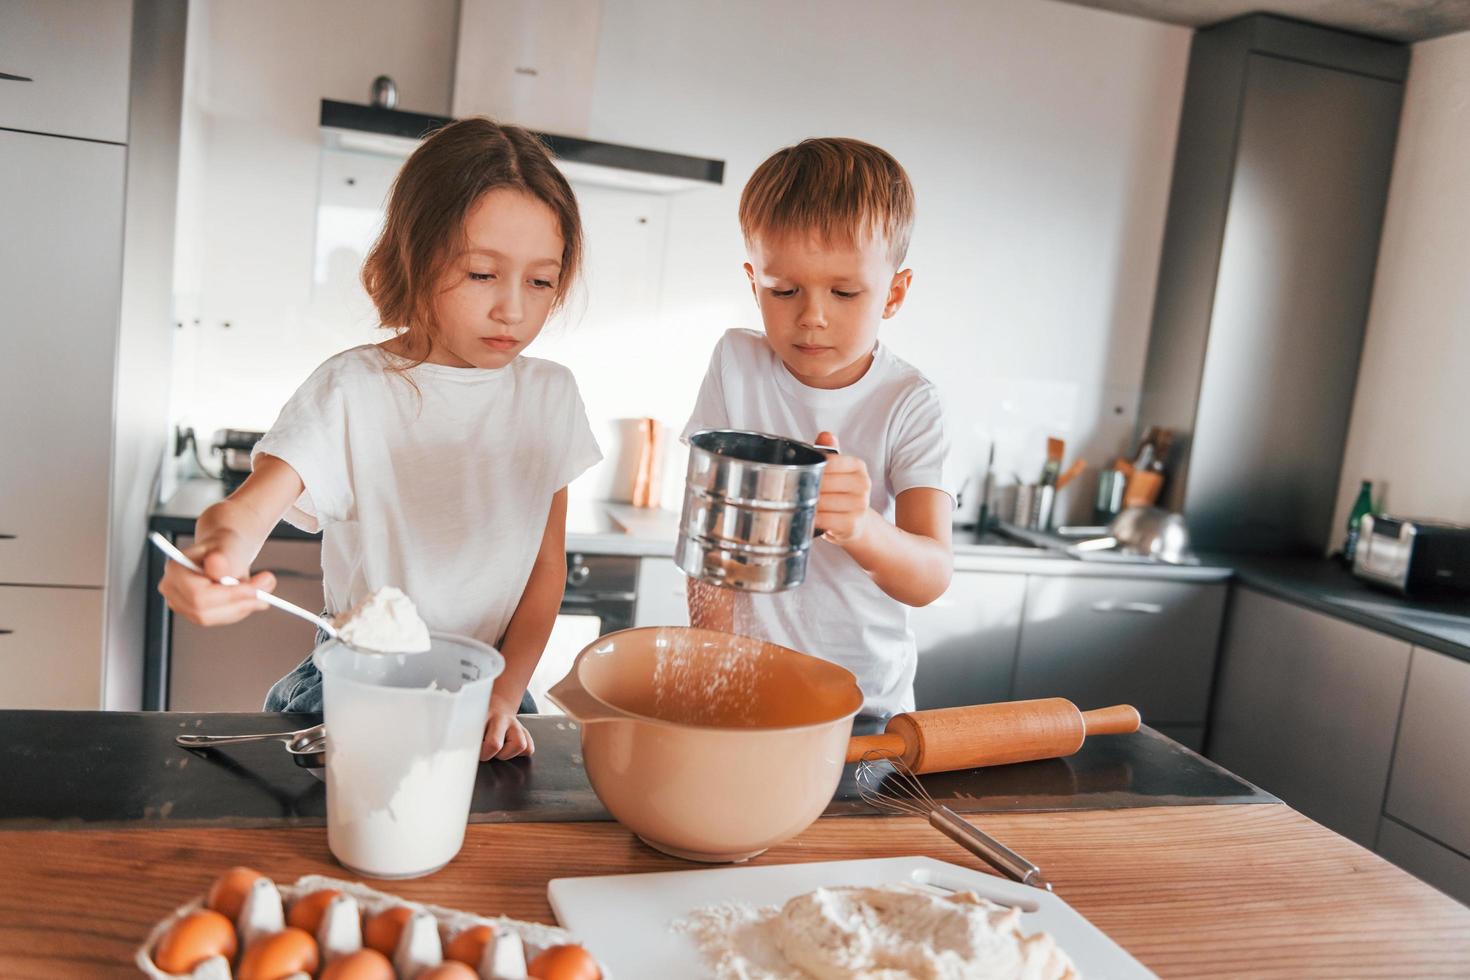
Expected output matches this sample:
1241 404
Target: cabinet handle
293 574
7 537
15 78
6 632
1108 605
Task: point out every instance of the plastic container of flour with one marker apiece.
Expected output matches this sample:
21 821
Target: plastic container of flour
403 745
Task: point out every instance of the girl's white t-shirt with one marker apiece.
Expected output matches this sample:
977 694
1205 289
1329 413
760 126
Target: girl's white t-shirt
441 487
892 418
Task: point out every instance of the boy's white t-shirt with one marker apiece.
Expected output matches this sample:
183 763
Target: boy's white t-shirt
441 487
891 417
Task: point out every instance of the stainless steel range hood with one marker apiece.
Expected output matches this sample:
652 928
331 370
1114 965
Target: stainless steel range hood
393 132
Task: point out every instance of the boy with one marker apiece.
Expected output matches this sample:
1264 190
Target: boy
826 227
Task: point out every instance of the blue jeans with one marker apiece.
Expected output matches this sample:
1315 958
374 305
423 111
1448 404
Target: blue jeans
300 691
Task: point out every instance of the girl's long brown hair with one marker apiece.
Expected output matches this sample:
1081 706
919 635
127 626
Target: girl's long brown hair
424 229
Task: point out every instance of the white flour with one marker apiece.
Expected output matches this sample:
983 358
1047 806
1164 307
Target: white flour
385 622
421 824
696 686
879 933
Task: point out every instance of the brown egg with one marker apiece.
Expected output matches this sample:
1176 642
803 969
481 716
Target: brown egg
365 964
307 913
469 944
193 939
227 894
448 970
381 932
564 963
275 957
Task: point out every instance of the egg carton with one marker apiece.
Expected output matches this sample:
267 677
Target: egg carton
535 936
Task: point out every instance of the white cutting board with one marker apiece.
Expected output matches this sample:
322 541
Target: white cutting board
624 919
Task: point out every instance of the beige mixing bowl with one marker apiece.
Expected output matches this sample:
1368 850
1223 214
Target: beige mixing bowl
708 746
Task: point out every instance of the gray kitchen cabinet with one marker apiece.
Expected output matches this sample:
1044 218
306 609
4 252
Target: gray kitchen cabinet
60 285
1306 708
662 599
1427 860
230 668
73 59
1281 176
1150 643
49 644
1430 786
967 640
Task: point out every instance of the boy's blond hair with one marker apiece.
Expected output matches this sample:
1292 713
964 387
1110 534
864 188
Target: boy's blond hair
841 189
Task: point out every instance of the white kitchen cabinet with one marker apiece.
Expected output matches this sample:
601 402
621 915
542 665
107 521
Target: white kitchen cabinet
1430 787
1150 643
60 287
1306 708
1427 860
75 54
662 599
49 644
230 668
967 640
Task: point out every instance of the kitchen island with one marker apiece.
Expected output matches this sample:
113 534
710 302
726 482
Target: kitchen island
1194 872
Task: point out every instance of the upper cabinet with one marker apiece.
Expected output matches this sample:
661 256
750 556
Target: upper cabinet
64 67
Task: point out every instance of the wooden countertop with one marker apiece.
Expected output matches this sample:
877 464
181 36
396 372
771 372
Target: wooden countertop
1218 891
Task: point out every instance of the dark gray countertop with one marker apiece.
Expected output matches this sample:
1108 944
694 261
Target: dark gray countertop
1313 582
69 769
1323 585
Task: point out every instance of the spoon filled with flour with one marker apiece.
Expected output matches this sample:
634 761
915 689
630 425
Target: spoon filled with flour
386 621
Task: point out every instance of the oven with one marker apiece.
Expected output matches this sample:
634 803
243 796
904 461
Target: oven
601 597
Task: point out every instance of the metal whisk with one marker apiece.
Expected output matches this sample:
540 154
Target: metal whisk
886 782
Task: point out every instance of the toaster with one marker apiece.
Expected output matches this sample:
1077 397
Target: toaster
1413 556
233 447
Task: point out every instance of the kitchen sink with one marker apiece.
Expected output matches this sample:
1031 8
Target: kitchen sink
996 544
1061 541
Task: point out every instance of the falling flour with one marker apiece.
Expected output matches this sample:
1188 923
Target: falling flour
891 933
700 680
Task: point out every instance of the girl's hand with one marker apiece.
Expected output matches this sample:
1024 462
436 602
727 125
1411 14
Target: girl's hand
200 598
505 736
843 512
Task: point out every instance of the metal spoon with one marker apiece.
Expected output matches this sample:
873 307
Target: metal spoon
325 625
296 741
307 747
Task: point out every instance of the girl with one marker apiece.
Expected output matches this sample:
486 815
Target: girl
436 461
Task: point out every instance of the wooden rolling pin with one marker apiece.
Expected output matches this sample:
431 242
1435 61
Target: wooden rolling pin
945 739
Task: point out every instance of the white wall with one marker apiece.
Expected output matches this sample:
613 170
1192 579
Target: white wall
145 336
1413 397
257 73
1039 137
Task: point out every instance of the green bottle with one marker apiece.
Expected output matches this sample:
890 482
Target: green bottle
1361 507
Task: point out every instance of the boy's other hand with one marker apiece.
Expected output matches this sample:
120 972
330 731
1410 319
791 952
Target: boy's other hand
201 598
842 503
